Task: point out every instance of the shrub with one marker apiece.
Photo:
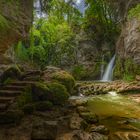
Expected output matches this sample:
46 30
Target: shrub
65 79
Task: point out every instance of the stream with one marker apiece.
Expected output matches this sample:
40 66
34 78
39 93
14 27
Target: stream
116 112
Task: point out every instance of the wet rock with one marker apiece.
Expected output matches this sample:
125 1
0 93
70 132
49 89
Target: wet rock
99 129
89 117
81 109
125 136
77 101
75 121
97 136
44 130
75 135
82 135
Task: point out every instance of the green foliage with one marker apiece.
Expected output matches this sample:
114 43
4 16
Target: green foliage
78 72
128 77
134 12
126 69
3 23
101 22
21 53
65 79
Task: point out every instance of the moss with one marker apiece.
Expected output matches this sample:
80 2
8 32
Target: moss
40 92
54 92
65 79
11 73
43 106
58 92
89 117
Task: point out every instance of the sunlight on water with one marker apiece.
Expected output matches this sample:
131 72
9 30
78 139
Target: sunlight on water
113 109
114 104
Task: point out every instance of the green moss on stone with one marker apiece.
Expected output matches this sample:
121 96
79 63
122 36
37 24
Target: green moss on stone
53 92
65 79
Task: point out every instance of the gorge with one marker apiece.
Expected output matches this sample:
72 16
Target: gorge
72 71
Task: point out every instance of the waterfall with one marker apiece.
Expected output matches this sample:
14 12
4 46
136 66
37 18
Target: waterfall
102 67
108 75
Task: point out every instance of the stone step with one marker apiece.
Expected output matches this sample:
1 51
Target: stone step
12 87
3 107
32 78
22 83
32 72
9 93
6 99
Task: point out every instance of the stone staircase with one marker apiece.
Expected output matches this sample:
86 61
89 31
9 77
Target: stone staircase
10 92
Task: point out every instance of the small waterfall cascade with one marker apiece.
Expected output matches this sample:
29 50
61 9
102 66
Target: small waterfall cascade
102 67
108 75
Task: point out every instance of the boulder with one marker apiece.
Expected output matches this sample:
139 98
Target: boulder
60 76
75 121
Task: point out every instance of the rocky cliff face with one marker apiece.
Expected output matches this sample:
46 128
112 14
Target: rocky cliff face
128 48
128 45
15 21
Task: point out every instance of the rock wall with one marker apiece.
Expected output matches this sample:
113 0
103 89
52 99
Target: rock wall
128 49
128 45
15 21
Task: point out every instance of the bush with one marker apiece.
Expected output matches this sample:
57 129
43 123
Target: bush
65 79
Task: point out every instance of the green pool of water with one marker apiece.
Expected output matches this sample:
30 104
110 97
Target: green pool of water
115 111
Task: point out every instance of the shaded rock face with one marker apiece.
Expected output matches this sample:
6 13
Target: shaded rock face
128 45
87 53
18 17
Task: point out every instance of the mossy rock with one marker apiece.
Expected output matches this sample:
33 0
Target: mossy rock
43 106
13 116
65 79
89 117
59 94
53 92
11 73
40 92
